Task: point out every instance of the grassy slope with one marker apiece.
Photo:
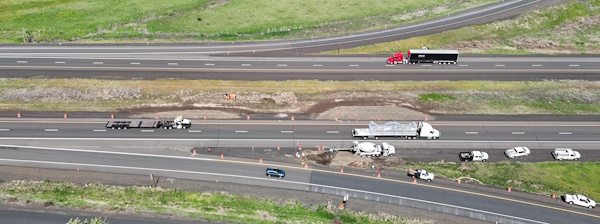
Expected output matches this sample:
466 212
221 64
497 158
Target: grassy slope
53 20
544 177
211 206
488 97
543 26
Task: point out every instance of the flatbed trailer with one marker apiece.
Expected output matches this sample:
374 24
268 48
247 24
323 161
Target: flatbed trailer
134 124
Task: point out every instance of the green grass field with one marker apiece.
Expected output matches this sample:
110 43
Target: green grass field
544 178
214 207
569 28
187 20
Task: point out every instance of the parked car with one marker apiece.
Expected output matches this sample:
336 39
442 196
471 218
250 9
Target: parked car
564 153
580 200
274 172
517 152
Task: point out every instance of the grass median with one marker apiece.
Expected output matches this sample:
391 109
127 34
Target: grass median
570 28
543 177
26 21
211 206
441 97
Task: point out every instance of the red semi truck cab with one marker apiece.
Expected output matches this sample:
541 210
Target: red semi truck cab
397 58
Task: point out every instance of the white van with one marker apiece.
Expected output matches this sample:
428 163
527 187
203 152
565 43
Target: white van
564 153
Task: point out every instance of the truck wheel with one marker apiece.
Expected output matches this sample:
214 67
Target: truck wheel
113 127
170 127
575 159
428 180
118 127
560 159
165 127
570 202
590 207
365 137
184 127
376 137
484 160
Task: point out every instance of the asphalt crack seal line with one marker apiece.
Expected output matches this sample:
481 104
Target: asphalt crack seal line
297 168
263 179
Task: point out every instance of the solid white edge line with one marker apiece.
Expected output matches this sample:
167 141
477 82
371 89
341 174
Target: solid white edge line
99 130
50 129
262 179
518 133
102 152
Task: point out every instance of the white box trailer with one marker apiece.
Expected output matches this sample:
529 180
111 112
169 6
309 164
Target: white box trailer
412 130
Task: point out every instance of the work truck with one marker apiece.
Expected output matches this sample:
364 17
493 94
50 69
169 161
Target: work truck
177 123
421 174
368 149
425 56
411 130
473 156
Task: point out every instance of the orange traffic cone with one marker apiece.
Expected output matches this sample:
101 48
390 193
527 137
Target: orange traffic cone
414 180
458 180
306 165
336 118
509 188
65 115
553 195
378 175
260 160
342 170
221 155
378 118
248 117
425 117
299 147
18 114
278 148
292 118
205 117
156 116
112 116
194 153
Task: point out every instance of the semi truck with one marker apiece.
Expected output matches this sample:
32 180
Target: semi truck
178 123
425 56
368 149
412 130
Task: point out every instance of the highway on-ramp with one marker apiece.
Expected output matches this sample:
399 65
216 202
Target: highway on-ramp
430 196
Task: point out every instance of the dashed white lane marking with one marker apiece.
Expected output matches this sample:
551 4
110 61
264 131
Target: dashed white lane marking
463 65
425 65
499 65
22 62
536 65
246 65
471 132
287 131
171 63
281 65
135 63
353 65
573 65
317 65
241 131
99 130
59 62
98 63
333 132
4 129
209 64
147 130
518 133
565 133
50 129
390 65
195 131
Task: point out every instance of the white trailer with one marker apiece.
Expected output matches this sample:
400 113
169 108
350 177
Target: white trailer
412 130
178 123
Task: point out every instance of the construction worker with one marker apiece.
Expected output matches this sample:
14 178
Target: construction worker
373 166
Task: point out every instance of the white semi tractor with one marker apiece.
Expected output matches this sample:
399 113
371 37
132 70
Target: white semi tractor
412 130
369 149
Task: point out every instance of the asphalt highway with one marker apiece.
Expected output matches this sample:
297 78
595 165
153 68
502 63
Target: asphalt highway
503 208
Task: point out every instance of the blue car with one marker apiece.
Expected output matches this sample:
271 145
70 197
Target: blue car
274 172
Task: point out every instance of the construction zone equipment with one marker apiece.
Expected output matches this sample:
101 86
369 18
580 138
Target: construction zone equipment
412 130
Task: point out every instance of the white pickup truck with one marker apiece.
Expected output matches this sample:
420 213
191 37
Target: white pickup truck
564 153
421 174
473 156
580 200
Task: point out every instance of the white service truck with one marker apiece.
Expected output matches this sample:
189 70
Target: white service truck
178 123
473 156
412 130
580 200
369 149
421 174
